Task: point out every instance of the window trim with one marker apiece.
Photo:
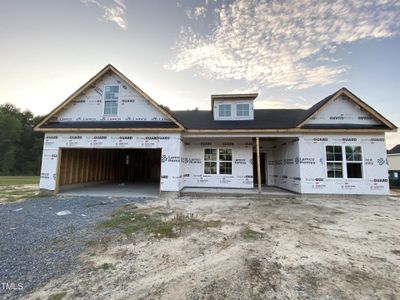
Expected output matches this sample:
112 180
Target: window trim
104 100
225 161
333 161
225 117
353 162
236 109
344 162
218 161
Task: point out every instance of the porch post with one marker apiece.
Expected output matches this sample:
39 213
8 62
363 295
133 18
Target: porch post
258 165
58 172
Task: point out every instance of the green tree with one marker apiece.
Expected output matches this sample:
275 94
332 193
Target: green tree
20 146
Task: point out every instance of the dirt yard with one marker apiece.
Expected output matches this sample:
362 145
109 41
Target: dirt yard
238 249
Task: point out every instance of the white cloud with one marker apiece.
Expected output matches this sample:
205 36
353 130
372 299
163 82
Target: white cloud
284 43
114 13
244 90
275 103
197 12
392 138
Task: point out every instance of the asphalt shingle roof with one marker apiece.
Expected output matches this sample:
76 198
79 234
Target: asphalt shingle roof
203 120
395 150
263 119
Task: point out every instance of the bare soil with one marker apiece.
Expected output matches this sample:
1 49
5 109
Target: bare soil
263 249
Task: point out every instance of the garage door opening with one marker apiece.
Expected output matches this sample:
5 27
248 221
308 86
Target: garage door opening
109 172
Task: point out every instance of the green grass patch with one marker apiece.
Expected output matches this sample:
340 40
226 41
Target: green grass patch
165 230
249 234
92 243
105 266
57 241
57 296
11 189
130 222
103 242
89 205
25 193
12 196
19 180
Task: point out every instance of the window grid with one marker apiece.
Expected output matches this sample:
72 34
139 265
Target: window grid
225 161
334 161
111 96
218 161
210 161
224 110
338 157
242 110
354 161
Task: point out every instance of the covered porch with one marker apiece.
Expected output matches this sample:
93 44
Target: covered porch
242 165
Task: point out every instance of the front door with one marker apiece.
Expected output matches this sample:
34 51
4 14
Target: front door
262 168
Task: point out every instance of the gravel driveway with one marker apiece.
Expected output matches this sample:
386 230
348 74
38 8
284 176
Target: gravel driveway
36 244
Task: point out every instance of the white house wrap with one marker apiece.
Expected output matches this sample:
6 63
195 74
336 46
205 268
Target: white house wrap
111 131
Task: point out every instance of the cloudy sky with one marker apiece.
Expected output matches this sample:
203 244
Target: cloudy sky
294 53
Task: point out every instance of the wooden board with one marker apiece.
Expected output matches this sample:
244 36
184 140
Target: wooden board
78 166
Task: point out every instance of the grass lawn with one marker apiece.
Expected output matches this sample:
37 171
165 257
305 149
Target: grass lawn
15 188
18 180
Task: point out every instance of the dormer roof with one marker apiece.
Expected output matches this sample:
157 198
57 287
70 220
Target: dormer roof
230 97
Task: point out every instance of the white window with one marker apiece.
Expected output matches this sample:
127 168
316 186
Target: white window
242 110
351 162
111 96
225 161
354 161
210 161
218 161
334 161
225 110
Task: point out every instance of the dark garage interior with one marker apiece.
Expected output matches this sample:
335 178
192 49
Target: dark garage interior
112 172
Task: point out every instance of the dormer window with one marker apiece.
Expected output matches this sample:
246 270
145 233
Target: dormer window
242 110
225 110
111 96
233 107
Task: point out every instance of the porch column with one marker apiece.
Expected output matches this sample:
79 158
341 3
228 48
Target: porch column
258 164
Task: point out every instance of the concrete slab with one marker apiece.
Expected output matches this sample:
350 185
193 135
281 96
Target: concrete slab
266 192
131 190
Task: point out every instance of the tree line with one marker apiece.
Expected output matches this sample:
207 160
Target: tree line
20 146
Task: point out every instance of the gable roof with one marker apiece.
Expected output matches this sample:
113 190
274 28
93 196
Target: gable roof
343 91
394 150
264 119
40 126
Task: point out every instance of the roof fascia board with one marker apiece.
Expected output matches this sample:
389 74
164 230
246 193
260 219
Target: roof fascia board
359 102
369 109
108 129
71 97
147 97
337 94
297 130
107 68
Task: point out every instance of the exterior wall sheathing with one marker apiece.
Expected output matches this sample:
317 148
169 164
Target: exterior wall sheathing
170 145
